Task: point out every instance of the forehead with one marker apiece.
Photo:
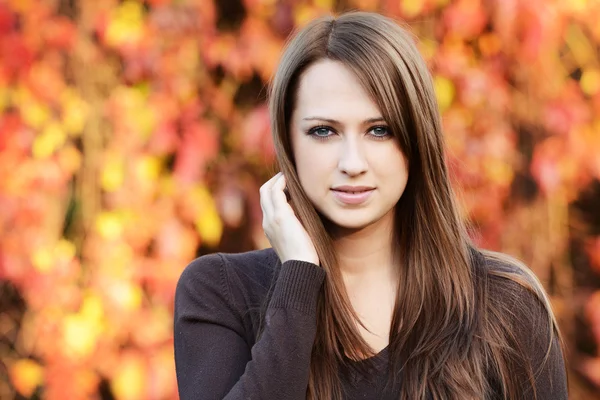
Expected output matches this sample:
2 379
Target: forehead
330 89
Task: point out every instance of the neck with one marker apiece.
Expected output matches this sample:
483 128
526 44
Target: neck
367 251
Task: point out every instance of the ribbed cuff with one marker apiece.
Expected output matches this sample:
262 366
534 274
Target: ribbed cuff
298 286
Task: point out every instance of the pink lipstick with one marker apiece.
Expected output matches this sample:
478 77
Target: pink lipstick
352 194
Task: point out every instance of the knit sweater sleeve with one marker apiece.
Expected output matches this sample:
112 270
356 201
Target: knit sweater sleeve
212 356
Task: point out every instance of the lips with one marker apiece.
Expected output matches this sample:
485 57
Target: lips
352 195
352 189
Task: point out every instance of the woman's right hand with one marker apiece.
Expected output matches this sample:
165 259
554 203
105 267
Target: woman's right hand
286 234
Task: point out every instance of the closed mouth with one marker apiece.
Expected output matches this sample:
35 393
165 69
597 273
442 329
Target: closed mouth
353 190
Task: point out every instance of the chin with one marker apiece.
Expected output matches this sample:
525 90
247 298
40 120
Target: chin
345 220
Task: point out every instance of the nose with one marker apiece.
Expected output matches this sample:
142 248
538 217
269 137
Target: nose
352 159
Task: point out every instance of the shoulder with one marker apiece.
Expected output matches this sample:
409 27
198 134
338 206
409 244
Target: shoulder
519 309
238 282
221 271
519 300
257 267
518 306
511 282
230 286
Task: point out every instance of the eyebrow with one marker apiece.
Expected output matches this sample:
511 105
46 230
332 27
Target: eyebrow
333 121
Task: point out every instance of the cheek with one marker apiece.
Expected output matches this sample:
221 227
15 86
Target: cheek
388 156
314 161
312 170
392 168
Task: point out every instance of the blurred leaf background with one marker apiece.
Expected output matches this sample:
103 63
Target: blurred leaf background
134 137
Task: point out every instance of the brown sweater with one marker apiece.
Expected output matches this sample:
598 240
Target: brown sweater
217 314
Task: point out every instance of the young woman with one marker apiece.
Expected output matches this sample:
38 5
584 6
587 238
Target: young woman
372 288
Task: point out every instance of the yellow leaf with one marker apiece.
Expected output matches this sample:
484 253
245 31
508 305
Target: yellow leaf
303 14
113 174
92 308
134 104
126 24
590 81
4 98
498 171
148 168
35 114
145 120
201 195
109 225
576 5
167 185
444 89
411 8
51 138
82 330
210 226
129 379
65 249
75 112
126 295
129 98
117 264
26 376
22 99
324 4
80 335
43 259
578 42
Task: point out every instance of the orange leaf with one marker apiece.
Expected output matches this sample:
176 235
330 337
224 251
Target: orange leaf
26 376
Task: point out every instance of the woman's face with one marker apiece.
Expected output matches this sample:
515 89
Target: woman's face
348 162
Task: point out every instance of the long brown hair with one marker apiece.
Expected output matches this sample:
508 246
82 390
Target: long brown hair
449 338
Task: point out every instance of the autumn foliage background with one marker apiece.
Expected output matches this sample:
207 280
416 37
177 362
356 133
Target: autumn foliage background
134 137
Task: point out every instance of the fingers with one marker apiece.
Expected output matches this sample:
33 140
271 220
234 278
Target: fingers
267 199
279 199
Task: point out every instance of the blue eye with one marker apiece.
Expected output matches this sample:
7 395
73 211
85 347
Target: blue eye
380 131
320 132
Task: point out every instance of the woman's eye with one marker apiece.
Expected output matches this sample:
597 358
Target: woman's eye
380 131
321 132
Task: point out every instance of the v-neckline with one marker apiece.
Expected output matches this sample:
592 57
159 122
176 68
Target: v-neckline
376 363
374 358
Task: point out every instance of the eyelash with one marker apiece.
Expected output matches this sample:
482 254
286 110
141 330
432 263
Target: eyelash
312 132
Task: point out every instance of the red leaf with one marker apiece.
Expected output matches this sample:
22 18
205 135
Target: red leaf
545 165
158 3
532 36
60 33
15 55
465 18
7 20
200 144
562 115
14 137
256 133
